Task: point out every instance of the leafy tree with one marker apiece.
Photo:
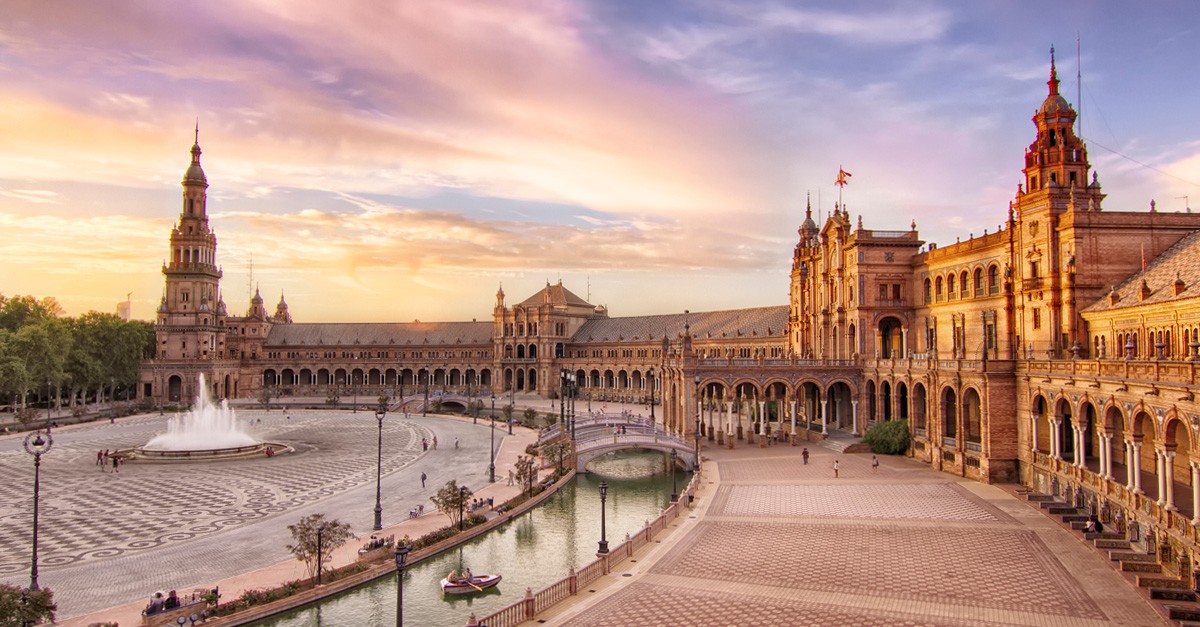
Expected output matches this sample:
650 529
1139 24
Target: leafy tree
22 311
507 410
333 533
21 606
529 417
559 449
452 500
526 473
888 438
264 397
436 406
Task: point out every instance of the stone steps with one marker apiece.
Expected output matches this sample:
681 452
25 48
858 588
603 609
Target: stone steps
1183 613
1141 567
1173 594
1112 544
1132 556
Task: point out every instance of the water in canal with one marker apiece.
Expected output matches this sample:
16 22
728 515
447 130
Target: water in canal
533 551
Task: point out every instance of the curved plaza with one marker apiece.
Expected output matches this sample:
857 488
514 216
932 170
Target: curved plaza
107 539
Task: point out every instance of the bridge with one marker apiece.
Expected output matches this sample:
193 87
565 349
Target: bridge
607 433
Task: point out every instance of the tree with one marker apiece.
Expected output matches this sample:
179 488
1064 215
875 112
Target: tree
452 500
888 438
21 606
530 417
508 412
333 533
560 449
526 473
264 397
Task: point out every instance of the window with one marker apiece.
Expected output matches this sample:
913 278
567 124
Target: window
978 282
994 279
938 290
950 286
1033 270
1037 318
928 291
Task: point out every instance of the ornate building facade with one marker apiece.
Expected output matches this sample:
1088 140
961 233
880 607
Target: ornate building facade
1059 350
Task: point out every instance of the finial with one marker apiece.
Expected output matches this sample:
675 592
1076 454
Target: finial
808 208
1053 82
197 130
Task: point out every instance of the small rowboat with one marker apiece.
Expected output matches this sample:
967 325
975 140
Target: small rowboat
462 585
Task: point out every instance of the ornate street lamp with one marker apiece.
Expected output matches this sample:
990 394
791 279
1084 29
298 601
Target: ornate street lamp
562 401
603 532
696 460
37 446
425 407
492 461
651 375
462 501
402 550
379 414
674 486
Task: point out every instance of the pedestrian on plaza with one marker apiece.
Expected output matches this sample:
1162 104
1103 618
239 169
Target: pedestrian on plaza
510 476
455 443
804 455
116 461
837 466
424 444
422 480
99 458
435 442
874 464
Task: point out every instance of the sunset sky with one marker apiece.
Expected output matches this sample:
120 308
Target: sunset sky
391 161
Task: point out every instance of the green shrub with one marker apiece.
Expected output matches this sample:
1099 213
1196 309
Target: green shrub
888 438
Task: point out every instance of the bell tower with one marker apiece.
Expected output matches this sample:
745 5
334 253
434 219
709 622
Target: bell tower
191 298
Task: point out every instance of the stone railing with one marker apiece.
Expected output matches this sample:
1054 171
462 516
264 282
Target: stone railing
1178 372
533 604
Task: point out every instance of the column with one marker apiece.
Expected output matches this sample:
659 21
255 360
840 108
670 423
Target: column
903 352
878 343
793 416
1055 437
1136 466
1106 455
1081 447
1169 478
1160 474
1033 440
854 415
825 417
1128 463
1195 493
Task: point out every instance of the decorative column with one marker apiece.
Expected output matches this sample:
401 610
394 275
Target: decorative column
1136 466
793 436
1195 493
1081 447
1034 435
1128 463
825 417
903 343
1160 474
1055 438
1169 478
854 415
1105 455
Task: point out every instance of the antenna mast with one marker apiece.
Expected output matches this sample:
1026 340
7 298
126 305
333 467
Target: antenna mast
1078 87
250 280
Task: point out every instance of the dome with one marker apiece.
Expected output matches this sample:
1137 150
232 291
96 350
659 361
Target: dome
1055 103
195 174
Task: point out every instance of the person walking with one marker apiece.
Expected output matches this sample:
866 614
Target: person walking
99 458
874 464
804 455
422 480
435 442
510 476
424 444
455 443
116 462
837 467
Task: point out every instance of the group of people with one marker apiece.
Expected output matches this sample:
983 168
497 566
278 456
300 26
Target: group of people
104 458
159 603
425 443
479 504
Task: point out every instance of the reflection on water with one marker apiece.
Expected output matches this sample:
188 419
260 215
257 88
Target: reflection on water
533 551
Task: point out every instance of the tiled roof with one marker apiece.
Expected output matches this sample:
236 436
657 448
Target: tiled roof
1180 261
380 333
758 322
554 295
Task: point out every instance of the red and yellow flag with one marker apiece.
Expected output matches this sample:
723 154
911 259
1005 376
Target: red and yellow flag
842 176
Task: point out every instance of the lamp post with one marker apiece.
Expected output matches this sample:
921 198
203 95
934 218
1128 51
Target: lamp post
562 400
492 449
425 407
379 414
354 392
402 550
696 460
462 501
674 486
37 446
48 387
603 533
650 374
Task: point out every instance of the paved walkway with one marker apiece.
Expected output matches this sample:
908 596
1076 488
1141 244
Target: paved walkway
108 539
776 542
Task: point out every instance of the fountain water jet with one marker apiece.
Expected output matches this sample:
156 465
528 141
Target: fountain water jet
206 427
207 431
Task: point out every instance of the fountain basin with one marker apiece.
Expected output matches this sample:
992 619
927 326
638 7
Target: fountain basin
260 449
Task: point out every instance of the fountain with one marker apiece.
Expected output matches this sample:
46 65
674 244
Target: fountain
207 431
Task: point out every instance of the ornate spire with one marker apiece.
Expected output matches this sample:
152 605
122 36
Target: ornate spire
1053 82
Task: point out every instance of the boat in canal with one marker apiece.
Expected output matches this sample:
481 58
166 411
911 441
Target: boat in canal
467 583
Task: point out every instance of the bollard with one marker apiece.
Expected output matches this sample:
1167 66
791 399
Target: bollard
472 621
530 604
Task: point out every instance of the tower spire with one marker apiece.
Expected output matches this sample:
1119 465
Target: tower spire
1053 82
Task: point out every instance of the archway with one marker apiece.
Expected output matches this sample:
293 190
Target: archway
1041 426
1066 430
920 409
890 338
885 398
1177 443
949 414
902 400
870 402
174 388
1143 433
972 417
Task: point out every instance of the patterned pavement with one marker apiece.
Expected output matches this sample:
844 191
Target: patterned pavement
163 526
777 542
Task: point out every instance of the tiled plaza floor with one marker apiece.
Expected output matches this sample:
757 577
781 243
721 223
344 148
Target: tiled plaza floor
776 542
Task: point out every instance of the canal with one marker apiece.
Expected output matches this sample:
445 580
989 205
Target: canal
533 551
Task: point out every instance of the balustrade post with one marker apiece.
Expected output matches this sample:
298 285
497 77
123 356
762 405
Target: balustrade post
530 604
472 621
572 581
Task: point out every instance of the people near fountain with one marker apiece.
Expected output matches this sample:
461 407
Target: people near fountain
172 601
99 458
116 461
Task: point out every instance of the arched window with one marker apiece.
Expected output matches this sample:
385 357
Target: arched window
928 291
993 279
938 288
950 286
963 284
978 282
